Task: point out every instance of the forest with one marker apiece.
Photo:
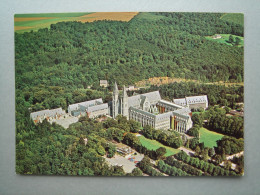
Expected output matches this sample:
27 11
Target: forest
62 65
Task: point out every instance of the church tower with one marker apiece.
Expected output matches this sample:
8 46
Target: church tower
115 101
124 104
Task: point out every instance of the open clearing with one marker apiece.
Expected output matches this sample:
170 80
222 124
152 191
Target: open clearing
237 18
153 145
28 22
209 137
224 39
167 80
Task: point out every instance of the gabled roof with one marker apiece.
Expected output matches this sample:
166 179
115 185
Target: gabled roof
134 101
57 111
48 113
85 104
196 99
171 104
184 111
97 107
143 99
40 113
163 115
181 101
153 98
143 112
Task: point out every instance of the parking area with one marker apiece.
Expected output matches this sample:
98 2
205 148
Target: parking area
128 162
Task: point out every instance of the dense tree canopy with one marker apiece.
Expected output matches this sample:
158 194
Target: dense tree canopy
56 67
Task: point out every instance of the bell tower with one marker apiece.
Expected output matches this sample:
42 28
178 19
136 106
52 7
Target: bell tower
124 104
115 101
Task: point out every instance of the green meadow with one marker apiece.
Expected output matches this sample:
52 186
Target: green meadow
224 39
153 145
209 137
237 18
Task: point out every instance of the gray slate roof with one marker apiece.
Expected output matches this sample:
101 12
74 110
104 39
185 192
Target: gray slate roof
191 100
153 97
143 112
183 111
49 113
163 115
171 104
197 99
85 104
97 107
41 113
181 101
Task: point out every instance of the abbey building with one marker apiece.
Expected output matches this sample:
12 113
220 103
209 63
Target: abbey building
150 109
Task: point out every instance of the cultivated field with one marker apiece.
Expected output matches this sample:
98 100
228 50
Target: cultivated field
209 137
116 16
153 145
28 22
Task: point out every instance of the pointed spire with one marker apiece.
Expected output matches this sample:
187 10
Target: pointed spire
115 89
124 92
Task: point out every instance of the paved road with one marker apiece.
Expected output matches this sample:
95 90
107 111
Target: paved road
187 151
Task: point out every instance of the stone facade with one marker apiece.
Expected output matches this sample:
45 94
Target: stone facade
150 109
193 102
49 115
103 83
92 108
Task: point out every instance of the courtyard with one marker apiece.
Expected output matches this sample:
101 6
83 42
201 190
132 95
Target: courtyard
66 121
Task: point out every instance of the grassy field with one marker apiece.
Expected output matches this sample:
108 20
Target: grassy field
225 37
149 16
153 145
237 18
209 137
28 22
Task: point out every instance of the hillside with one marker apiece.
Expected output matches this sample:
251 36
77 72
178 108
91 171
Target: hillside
236 18
54 67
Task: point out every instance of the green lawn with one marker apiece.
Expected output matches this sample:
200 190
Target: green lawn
149 16
153 145
209 137
225 37
237 18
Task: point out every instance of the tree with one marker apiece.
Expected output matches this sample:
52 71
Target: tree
137 172
160 152
204 154
145 163
194 132
111 149
231 39
211 152
238 41
197 151
197 119
134 126
218 159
